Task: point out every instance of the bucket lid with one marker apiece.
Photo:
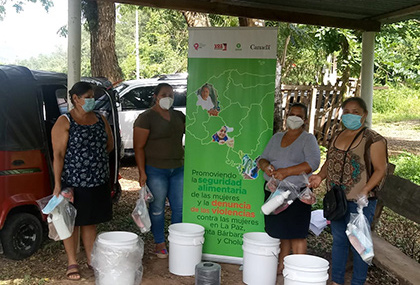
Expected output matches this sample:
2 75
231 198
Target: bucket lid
306 261
186 229
118 238
260 238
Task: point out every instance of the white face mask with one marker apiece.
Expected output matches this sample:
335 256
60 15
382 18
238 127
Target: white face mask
294 122
166 103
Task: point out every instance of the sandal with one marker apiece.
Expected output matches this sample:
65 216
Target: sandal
163 253
89 266
73 272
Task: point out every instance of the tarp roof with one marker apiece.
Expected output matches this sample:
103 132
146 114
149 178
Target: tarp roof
367 15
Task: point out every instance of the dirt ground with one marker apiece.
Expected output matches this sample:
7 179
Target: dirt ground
47 266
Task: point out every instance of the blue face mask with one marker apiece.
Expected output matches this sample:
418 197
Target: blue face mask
89 104
351 121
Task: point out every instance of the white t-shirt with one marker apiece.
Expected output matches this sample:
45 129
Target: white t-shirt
205 104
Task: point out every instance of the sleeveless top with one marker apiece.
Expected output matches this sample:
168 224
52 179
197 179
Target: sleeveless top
357 168
86 159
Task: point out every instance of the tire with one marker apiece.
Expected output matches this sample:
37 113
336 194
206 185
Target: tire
21 236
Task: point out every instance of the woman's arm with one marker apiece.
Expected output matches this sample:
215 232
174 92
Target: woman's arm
110 141
59 137
265 166
316 179
140 137
311 154
378 156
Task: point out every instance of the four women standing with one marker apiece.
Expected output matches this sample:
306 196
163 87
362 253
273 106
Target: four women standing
82 139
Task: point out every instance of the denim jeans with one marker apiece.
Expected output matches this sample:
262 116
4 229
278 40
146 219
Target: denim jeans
164 183
341 245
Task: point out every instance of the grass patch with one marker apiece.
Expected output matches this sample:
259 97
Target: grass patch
407 166
396 104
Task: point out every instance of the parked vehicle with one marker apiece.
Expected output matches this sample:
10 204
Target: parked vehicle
137 95
30 103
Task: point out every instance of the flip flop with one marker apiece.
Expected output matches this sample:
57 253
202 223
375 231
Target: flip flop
73 271
163 253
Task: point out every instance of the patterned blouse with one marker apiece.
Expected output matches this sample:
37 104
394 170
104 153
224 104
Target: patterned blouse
86 159
357 168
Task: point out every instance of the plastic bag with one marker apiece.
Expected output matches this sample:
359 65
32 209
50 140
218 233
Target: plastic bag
140 214
148 196
61 220
306 195
279 200
114 263
359 234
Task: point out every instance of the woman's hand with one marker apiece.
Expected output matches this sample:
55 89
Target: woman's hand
280 173
314 181
57 190
142 179
269 169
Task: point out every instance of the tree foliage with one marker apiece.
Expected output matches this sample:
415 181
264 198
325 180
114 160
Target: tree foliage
163 41
163 45
19 4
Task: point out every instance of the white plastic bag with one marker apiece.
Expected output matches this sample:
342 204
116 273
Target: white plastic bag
279 200
306 195
359 234
148 196
140 214
61 218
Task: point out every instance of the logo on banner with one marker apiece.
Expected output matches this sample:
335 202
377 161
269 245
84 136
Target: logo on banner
222 47
260 47
198 45
238 46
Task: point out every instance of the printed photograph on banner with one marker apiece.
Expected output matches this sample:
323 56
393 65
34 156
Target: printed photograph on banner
207 99
249 167
221 136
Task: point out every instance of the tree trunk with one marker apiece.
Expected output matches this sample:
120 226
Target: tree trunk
278 100
101 20
195 19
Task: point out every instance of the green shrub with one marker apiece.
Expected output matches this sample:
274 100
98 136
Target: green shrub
396 103
407 166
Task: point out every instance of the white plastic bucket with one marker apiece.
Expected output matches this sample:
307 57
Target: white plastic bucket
301 269
185 248
114 262
260 259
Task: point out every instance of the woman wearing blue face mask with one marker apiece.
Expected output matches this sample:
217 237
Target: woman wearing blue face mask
160 159
81 142
362 174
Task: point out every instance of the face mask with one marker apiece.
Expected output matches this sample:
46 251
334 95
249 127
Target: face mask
89 105
166 103
294 122
351 121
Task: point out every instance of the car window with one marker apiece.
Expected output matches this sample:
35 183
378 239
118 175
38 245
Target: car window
180 95
138 98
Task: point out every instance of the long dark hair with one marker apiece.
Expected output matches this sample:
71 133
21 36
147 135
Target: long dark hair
79 89
358 100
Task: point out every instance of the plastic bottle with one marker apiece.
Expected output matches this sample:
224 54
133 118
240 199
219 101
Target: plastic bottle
60 224
274 202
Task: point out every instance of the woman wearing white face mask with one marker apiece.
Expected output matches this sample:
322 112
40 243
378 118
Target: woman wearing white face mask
81 142
160 159
286 156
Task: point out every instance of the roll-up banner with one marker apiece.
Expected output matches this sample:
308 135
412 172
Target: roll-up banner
231 83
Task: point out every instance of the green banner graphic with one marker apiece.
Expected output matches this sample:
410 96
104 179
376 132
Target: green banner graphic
229 122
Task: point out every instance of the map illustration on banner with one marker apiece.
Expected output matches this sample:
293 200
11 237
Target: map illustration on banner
228 124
